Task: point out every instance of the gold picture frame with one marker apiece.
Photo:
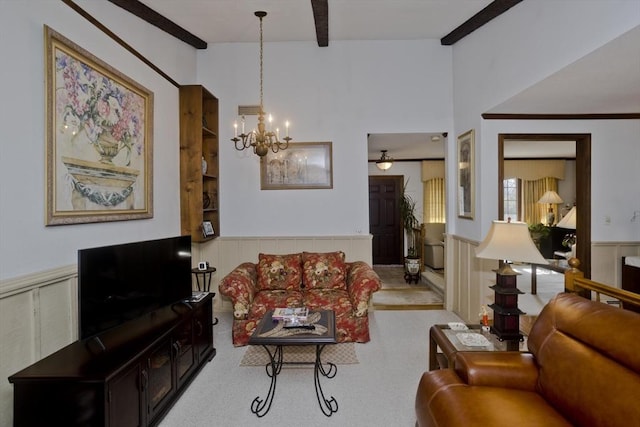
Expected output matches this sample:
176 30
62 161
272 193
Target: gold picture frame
99 140
466 170
303 165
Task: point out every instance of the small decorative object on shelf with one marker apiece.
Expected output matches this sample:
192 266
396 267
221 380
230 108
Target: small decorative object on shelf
207 229
204 166
206 200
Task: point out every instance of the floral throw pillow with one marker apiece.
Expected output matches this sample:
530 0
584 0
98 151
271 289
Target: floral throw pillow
324 270
279 271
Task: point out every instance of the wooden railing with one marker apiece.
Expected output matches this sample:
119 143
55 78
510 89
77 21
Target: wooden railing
575 282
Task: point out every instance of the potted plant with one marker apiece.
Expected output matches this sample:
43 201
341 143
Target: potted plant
410 224
539 232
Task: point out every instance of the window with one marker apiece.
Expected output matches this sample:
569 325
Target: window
510 196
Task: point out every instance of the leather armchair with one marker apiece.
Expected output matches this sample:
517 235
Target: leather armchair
582 369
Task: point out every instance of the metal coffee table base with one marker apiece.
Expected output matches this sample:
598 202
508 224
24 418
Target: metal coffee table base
261 407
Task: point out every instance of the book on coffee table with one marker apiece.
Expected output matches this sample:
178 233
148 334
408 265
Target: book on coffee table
290 313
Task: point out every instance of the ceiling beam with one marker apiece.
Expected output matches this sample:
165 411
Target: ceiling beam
145 13
321 17
578 116
493 10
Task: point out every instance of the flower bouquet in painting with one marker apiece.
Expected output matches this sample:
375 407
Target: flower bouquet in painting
110 116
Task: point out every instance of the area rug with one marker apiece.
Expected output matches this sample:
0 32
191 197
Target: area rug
339 354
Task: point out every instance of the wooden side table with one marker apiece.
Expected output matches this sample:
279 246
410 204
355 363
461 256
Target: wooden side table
206 277
444 338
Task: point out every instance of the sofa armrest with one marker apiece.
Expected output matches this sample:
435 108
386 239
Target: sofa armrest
497 369
362 282
240 286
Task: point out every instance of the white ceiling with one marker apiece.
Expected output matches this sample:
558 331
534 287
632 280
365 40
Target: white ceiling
606 81
229 21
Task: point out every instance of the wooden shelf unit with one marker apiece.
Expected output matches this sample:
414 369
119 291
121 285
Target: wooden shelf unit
198 141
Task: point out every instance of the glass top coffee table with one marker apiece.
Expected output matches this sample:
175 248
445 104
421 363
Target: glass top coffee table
273 336
446 340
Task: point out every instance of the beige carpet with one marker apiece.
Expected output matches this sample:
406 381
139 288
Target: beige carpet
396 294
407 299
338 354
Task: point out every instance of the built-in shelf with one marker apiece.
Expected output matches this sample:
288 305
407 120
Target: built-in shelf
198 142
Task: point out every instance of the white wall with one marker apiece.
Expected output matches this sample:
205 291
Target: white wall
338 93
490 67
497 62
567 186
26 245
615 154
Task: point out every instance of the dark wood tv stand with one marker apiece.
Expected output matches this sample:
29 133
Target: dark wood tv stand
131 376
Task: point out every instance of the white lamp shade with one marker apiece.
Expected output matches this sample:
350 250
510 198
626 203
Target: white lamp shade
383 165
510 241
569 220
550 197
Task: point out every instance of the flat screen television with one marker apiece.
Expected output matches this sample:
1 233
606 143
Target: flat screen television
120 283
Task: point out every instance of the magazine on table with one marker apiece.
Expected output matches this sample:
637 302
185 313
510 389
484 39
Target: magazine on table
291 313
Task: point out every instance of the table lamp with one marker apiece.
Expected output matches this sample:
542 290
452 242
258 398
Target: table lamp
552 198
569 221
511 241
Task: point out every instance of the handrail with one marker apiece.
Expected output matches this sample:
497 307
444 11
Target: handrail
575 282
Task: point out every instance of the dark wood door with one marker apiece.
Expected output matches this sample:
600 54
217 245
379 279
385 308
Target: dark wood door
384 219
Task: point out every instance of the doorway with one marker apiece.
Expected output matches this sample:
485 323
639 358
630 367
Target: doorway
583 186
384 221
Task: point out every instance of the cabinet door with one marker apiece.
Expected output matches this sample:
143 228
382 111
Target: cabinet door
184 349
126 405
203 331
160 382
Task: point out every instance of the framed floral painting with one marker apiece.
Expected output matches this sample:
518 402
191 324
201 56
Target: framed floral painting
99 138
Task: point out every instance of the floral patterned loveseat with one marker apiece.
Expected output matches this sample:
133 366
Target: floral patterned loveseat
307 279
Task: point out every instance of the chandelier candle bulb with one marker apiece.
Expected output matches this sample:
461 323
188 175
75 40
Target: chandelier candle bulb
235 129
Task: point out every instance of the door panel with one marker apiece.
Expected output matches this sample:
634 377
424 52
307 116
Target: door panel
384 219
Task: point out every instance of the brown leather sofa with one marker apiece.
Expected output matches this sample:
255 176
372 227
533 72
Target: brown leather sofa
582 368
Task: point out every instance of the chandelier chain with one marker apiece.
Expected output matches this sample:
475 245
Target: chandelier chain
261 67
261 139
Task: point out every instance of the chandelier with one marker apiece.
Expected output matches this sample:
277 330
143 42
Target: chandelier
261 139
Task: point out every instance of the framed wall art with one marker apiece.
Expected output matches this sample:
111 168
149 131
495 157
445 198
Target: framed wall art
466 185
99 138
303 165
207 229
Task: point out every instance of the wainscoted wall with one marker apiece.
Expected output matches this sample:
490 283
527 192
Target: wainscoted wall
38 312
38 315
606 260
468 278
226 253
